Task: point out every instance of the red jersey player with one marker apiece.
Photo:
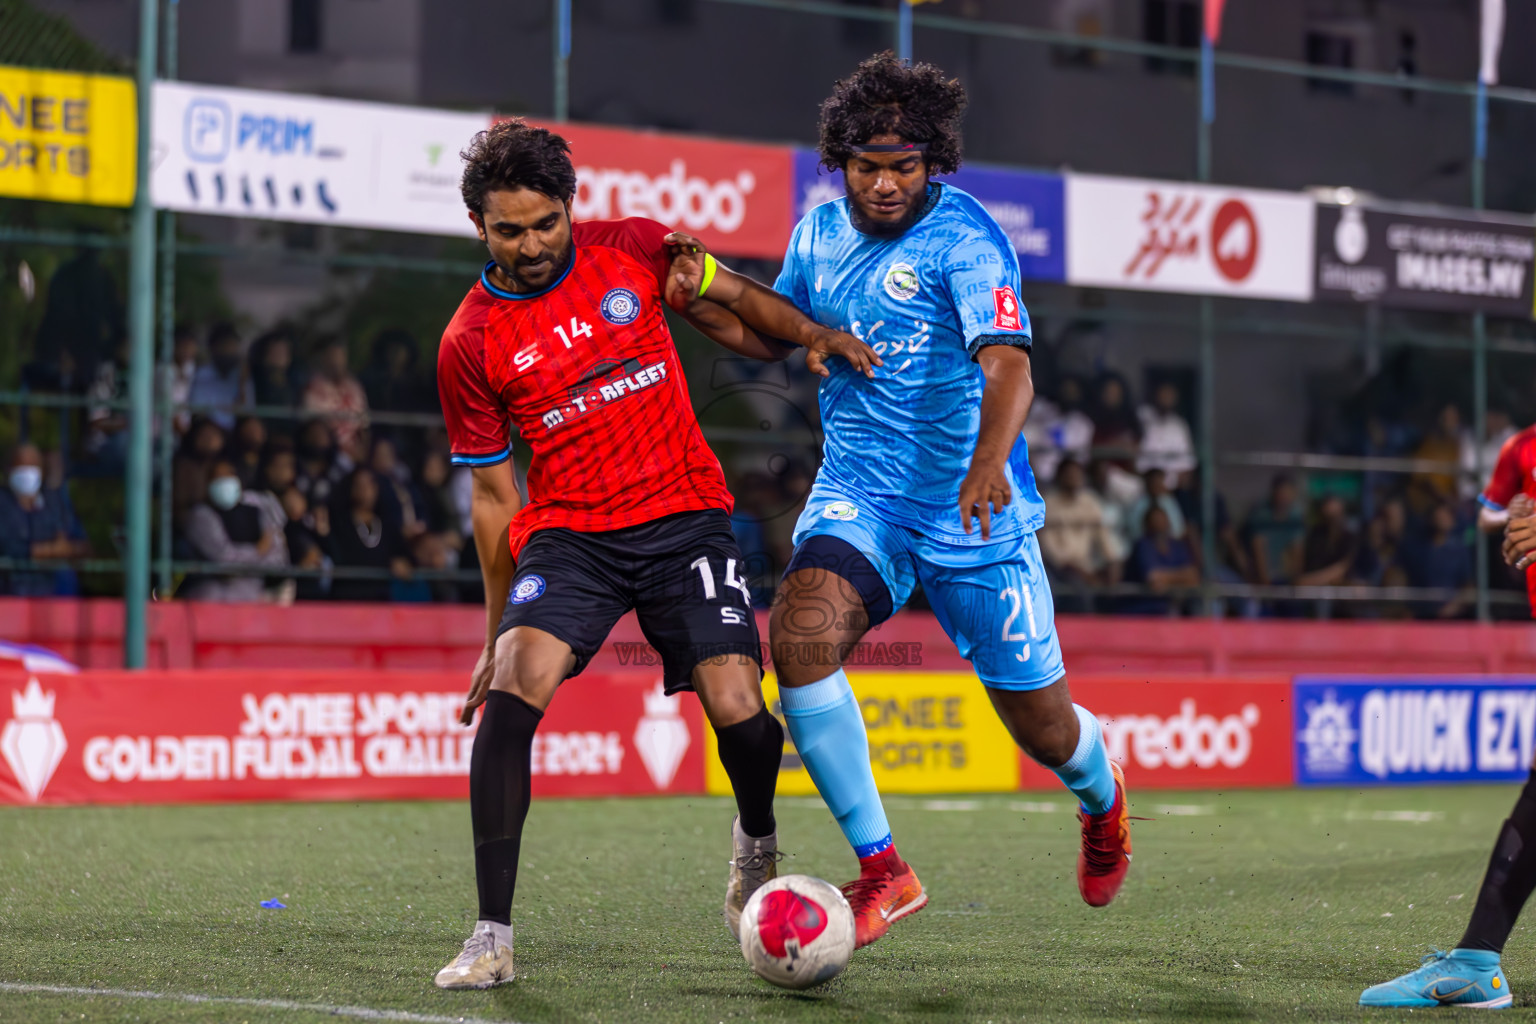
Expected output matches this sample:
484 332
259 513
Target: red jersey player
563 339
1513 484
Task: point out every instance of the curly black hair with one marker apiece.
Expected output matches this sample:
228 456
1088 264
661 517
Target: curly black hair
885 95
511 155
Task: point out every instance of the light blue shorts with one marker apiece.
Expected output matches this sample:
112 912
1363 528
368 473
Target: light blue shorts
992 598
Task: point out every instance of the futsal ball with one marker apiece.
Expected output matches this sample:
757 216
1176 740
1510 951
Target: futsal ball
797 931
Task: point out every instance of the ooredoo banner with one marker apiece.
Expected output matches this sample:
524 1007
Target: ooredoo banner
1178 237
163 737
1188 732
1027 205
1363 731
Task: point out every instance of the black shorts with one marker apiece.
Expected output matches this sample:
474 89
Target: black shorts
681 574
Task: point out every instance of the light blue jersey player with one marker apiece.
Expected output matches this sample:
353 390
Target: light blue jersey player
924 478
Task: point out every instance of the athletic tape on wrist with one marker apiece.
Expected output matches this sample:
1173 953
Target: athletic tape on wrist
709 274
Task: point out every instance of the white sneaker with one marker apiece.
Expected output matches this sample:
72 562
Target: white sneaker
754 862
486 959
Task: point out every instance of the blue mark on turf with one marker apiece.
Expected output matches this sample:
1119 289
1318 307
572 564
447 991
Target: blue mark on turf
272 905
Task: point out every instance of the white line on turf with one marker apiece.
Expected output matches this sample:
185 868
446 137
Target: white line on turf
1412 817
1184 810
951 805
358 1012
1033 807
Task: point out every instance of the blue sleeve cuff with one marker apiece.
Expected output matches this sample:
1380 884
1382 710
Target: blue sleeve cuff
482 460
1491 506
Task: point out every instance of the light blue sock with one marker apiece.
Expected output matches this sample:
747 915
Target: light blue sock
1482 959
828 730
1087 773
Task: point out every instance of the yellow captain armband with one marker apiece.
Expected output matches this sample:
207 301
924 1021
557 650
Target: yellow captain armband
709 274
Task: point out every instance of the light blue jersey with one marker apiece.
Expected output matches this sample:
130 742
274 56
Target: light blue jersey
926 302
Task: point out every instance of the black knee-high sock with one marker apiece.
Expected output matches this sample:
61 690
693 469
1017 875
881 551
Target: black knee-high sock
1510 879
500 767
751 751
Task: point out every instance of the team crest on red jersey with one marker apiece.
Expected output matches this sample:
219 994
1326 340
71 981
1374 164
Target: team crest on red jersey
1005 305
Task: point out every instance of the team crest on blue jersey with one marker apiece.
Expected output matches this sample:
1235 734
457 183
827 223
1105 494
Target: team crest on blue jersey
620 306
527 589
841 511
901 282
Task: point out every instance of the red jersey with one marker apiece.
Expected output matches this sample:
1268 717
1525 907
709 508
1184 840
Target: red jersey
1515 473
587 372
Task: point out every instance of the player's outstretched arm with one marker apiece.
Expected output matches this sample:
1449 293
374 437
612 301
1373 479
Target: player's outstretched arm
494 500
694 285
1005 401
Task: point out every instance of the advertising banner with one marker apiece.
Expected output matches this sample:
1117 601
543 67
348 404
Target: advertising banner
280 156
1363 731
1177 237
1190 732
1027 205
70 138
1455 264
173 737
734 196
929 732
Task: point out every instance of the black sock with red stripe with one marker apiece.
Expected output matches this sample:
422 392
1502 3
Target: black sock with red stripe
500 774
1510 879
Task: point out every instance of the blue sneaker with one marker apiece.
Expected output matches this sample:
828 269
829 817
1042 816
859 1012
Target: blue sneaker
1463 977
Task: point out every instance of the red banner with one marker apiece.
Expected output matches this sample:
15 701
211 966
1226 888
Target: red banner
162 737
734 196
1189 732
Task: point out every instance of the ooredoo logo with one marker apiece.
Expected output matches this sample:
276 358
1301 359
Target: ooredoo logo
1182 740
674 198
1234 240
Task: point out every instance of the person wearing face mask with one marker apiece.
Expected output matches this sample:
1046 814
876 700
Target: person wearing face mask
232 527
222 384
37 524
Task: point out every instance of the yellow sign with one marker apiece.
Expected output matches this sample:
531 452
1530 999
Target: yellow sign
67 137
929 732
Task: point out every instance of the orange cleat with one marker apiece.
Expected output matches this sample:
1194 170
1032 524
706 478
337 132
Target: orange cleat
1105 855
886 891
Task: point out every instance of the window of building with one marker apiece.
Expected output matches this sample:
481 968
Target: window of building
1171 23
1327 49
304 23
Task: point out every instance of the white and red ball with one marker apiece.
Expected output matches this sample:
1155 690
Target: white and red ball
797 931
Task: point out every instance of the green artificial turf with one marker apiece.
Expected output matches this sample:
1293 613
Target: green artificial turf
1240 906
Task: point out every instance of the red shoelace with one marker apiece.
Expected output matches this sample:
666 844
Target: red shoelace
864 890
1101 841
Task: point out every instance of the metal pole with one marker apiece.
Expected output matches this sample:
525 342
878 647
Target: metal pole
562 43
1207 110
904 30
141 366
167 416
1208 446
1480 343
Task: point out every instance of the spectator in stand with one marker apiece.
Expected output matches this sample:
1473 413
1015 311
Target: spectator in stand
307 532
222 384
361 538
390 379
1442 559
1331 548
399 501
1115 499
1156 492
106 432
1475 474
428 552
1116 430
1276 530
335 394
439 507
245 450
176 383
279 469
1160 562
193 467
1443 444
1166 442
316 463
236 528
1076 542
38 524
274 376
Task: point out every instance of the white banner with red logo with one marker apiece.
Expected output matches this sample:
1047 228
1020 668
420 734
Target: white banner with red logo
177 737
1178 237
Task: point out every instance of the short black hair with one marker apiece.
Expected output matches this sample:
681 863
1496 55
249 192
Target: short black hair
885 95
513 154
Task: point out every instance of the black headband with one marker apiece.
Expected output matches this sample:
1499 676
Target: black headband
892 147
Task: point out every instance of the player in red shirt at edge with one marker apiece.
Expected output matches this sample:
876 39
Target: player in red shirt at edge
563 338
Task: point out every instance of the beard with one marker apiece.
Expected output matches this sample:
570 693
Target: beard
885 230
559 260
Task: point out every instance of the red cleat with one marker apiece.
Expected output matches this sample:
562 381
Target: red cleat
1105 855
886 891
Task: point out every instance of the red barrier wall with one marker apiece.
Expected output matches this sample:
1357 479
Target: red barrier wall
438 637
